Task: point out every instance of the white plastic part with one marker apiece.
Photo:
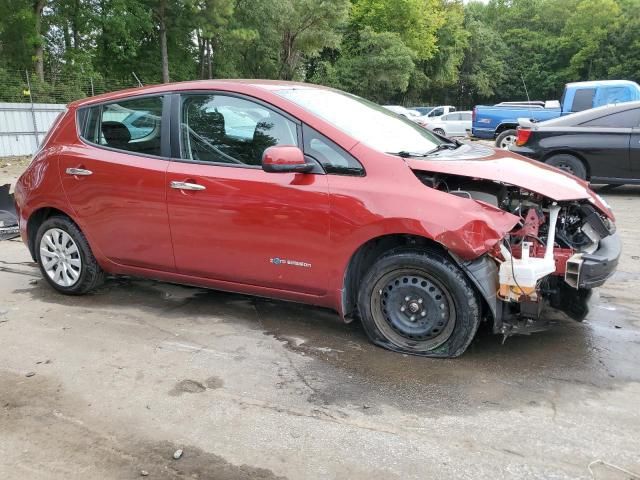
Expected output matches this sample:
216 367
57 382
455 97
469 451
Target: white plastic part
519 276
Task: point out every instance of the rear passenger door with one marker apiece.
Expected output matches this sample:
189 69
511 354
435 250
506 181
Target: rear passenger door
114 179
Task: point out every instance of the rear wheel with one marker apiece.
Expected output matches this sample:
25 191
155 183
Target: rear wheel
65 258
420 303
569 164
506 139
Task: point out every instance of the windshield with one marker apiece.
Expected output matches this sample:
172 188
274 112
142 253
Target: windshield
365 121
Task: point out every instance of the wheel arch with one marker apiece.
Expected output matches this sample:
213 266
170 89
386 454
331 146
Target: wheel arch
370 251
505 126
36 219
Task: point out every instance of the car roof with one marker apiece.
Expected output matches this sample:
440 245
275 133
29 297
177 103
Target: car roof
601 83
587 115
243 85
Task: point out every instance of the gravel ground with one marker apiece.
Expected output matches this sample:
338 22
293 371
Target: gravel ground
111 384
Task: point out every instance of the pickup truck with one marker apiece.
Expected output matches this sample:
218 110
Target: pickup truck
501 120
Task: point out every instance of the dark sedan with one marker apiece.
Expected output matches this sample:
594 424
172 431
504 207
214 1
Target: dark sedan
601 145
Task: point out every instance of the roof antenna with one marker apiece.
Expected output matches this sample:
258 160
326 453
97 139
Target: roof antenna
140 83
528 99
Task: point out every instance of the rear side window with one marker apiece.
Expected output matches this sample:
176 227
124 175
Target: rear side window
133 125
583 99
626 119
451 116
465 117
333 158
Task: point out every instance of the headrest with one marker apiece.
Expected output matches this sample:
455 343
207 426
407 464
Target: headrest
115 133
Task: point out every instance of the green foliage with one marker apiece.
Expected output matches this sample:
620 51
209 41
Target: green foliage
377 67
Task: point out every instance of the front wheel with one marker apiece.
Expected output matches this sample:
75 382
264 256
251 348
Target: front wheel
439 131
506 139
419 302
65 258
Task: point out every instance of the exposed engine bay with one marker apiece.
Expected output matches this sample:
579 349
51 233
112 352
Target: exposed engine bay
544 261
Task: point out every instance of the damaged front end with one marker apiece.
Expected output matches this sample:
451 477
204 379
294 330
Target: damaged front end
8 217
551 260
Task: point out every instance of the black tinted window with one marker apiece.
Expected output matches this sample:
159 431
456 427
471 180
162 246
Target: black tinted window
225 129
333 158
626 119
583 99
132 125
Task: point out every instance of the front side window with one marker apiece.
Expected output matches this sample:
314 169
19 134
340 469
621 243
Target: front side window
364 121
132 125
231 130
333 158
436 112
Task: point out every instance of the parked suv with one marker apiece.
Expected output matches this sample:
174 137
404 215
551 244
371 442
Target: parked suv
310 194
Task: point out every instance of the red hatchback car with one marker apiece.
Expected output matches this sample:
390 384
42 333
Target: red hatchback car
305 193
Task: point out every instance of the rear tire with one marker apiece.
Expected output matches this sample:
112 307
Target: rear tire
420 303
506 139
65 258
569 164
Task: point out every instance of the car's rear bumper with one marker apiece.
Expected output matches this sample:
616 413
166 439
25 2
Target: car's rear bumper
489 133
598 266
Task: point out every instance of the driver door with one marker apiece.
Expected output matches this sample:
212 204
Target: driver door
232 221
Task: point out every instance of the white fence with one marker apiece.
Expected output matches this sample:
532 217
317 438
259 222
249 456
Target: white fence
24 125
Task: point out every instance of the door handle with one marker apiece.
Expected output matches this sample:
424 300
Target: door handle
80 172
187 186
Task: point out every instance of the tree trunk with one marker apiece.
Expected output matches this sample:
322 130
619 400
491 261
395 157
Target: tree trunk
162 11
75 25
38 52
209 58
201 52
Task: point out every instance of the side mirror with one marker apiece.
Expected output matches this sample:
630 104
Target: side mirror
285 159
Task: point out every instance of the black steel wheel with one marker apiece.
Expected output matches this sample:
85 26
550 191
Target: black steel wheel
410 304
419 303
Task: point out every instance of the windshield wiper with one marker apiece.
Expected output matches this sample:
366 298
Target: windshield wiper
442 146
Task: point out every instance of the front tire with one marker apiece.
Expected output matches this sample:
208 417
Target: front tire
440 131
506 139
65 258
419 302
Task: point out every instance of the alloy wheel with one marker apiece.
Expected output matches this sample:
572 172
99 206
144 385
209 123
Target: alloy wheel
507 141
60 257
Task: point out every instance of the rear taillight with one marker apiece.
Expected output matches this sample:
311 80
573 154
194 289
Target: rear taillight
522 136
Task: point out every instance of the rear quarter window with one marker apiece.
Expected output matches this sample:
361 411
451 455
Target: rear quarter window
626 119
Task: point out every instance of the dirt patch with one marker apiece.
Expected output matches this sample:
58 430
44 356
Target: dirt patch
61 428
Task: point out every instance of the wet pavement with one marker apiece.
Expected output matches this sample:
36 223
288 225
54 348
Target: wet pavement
253 388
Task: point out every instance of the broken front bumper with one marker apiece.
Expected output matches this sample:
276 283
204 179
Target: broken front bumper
598 266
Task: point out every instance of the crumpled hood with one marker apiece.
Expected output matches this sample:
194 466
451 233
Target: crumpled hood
488 163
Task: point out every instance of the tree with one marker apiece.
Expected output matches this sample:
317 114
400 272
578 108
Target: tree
415 21
377 67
